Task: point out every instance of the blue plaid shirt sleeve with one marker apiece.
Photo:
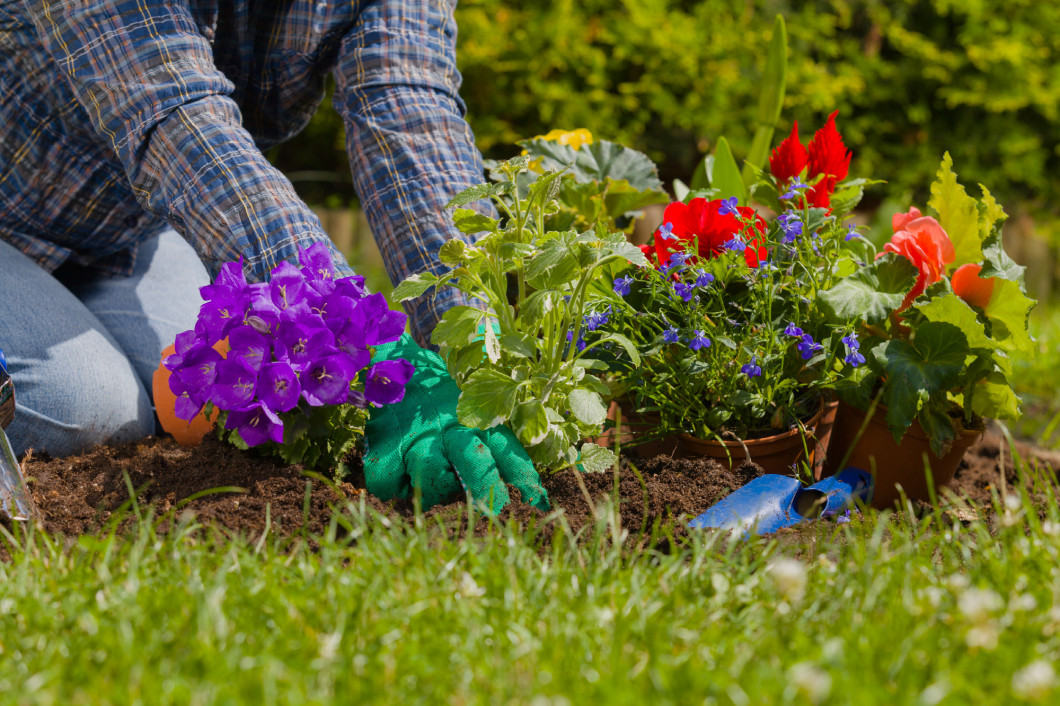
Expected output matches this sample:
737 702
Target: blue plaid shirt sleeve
410 149
145 76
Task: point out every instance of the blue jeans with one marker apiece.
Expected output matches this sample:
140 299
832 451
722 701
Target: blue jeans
82 346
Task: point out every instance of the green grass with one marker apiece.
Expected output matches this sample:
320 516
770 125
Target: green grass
888 610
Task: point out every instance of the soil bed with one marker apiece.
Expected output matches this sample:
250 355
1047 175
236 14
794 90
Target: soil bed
81 494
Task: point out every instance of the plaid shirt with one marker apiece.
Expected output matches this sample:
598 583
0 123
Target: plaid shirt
120 116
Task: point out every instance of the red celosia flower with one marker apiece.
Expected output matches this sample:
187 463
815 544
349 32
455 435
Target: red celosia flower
789 158
924 243
701 221
969 286
828 155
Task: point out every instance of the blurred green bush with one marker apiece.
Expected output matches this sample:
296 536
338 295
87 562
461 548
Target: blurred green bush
911 79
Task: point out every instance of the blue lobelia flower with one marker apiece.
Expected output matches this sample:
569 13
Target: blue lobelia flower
794 188
854 356
670 335
703 278
683 290
852 231
752 369
728 207
699 341
622 285
790 225
793 330
734 244
666 231
596 319
807 346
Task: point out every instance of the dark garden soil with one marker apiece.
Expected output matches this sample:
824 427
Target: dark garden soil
85 493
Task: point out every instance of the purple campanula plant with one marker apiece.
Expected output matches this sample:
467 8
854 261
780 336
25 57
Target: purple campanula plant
298 349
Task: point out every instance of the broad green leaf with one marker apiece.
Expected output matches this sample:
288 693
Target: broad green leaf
871 293
453 252
598 161
487 399
770 99
938 425
727 177
545 187
478 192
529 422
414 286
990 214
703 175
458 327
555 265
680 189
994 398
958 214
1008 310
918 370
491 345
595 459
463 361
468 221
587 407
519 344
997 263
951 309
621 198
537 305
618 245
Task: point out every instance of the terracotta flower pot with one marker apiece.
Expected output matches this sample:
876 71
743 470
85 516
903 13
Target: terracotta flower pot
186 433
779 454
893 464
634 428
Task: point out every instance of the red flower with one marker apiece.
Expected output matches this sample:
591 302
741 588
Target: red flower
899 220
755 254
701 221
828 155
924 243
969 286
789 158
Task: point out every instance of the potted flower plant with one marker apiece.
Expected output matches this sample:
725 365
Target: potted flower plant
939 312
735 344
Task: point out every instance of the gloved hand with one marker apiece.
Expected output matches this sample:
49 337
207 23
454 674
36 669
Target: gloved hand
418 442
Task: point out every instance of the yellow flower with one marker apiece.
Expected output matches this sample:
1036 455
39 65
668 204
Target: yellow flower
571 138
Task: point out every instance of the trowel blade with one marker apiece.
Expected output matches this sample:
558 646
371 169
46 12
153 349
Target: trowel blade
15 499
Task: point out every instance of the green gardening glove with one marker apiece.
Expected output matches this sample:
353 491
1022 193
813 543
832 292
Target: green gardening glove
419 443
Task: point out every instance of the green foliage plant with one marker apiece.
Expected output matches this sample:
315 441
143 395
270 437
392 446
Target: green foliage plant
514 358
942 311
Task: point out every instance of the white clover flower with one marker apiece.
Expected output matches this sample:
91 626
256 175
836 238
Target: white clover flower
1035 681
467 588
810 681
979 604
1023 603
789 576
1051 529
984 636
1013 503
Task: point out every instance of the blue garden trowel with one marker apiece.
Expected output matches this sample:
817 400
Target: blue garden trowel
771 502
15 501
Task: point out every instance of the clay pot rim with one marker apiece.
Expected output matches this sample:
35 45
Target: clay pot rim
810 425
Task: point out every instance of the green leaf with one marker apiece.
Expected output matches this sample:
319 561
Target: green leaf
414 286
545 187
487 399
519 344
627 345
468 221
680 189
727 177
1008 311
537 305
616 244
595 459
490 344
994 398
770 100
555 265
458 327
460 363
587 407
951 309
997 263
990 214
958 214
703 176
529 422
598 161
918 370
453 252
621 198
871 293
478 192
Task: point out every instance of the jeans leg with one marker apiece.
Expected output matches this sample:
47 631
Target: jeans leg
74 386
145 311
